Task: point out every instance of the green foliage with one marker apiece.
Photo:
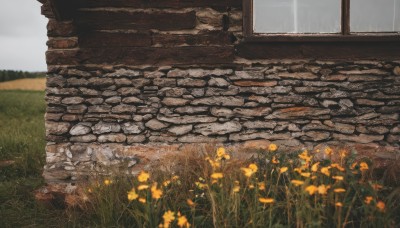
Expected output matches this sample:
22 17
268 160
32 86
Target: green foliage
8 75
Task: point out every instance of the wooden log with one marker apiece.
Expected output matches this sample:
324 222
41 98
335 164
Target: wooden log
216 4
203 38
112 20
157 56
318 50
114 39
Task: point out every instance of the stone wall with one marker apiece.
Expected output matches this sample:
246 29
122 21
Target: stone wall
123 94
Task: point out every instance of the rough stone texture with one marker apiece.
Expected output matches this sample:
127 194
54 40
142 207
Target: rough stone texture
117 98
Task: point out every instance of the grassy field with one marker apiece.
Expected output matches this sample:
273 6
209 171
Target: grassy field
36 84
21 160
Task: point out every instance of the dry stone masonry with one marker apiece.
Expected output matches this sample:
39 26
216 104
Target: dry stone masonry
129 81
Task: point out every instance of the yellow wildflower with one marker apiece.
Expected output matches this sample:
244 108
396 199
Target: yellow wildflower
283 169
342 153
200 185
311 189
142 200
168 217
251 186
377 186
363 166
166 183
175 178
353 165
304 156
217 175
325 170
266 200
338 204
297 170
236 189
380 205
220 152
339 178
306 174
143 176
132 195
190 203
323 189
272 147
337 166
314 167
107 182
253 167
143 187
339 190
156 193
328 151
368 199
297 182
274 160
182 221
261 186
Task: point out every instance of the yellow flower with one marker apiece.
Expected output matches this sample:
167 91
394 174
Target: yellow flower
274 160
217 175
377 186
328 151
253 167
306 174
297 182
156 193
168 217
304 156
143 187
311 189
380 205
182 221
297 170
251 186
175 178
261 186
266 200
200 185
248 172
166 183
283 169
227 157
323 189
337 166
339 178
190 203
353 165
363 166
143 176
272 147
325 170
142 200
339 190
220 152
342 153
132 195
214 164
314 167
368 199
338 204
236 189
107 182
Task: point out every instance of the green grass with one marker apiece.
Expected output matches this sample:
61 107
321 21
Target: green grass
22 140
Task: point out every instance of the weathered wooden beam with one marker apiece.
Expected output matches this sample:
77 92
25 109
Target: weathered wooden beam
111 20
63 10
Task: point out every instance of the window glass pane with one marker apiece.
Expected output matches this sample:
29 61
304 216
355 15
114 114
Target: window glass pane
296 16
374 15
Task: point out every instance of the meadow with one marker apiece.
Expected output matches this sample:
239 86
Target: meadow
210 187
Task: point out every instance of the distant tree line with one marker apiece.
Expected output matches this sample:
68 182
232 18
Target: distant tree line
8 75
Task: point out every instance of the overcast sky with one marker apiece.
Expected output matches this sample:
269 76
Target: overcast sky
22 35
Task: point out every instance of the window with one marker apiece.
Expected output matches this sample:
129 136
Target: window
291 20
